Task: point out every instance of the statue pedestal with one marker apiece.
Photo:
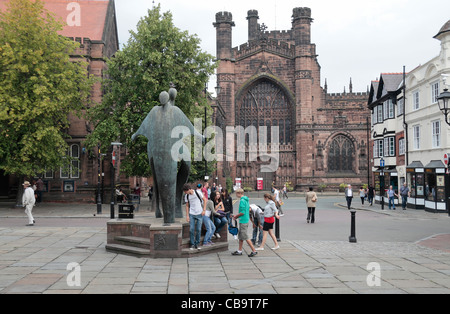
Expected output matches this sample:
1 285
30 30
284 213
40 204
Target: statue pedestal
150 237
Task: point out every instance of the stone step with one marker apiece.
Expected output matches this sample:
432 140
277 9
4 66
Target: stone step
217 247
125 249
134 241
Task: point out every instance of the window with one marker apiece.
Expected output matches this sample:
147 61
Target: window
391 109
380 113
436 133
416 104
73 170
341 155
389 146
375 149
385 110
416 136
380 148
401 147
434 92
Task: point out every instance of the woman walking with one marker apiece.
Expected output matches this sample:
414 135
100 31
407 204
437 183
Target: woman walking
311 199
270 212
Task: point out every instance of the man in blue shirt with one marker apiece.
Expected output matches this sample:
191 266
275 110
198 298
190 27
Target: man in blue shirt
391 195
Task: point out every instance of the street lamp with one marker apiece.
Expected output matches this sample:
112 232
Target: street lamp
382 165
444 106
113 170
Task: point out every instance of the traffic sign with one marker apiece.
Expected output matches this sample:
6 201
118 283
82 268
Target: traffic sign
446 159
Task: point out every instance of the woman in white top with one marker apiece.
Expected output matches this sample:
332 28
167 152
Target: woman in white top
270 212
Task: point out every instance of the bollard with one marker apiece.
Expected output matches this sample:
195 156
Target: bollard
352 237
277 229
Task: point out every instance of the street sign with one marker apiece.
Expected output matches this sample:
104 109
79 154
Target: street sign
446 159
382 163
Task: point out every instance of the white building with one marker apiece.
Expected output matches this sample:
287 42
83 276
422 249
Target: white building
427 132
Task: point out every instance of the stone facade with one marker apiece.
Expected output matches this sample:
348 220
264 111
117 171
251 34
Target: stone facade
274 80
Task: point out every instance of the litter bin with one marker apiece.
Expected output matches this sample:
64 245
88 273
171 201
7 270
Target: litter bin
126 211
135 200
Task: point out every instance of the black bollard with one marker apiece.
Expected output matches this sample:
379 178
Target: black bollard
352 237
277 229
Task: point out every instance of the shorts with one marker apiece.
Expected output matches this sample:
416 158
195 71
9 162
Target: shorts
267 226
243 235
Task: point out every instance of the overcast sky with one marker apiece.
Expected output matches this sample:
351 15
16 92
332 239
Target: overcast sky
356 39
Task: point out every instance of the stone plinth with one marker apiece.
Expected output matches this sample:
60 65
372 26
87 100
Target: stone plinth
150 237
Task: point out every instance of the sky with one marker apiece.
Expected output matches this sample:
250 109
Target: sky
354 39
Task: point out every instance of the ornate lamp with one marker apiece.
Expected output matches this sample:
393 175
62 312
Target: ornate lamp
444 104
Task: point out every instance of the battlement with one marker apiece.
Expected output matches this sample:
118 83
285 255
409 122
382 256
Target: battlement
224 17
301 13
273 45
345 95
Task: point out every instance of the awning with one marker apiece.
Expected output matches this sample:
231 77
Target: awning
415 164
435 164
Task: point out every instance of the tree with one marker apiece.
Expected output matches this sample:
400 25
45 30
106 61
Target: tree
157 55
40 86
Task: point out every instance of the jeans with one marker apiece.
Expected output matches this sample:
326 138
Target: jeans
391 201
210 228
220 222
256 230
404 201
195 228
349 201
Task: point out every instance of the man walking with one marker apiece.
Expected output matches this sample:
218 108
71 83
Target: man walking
349 195
244 217
28 201
404 192
195 210
391 195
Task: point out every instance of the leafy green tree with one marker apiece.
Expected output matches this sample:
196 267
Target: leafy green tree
157 55
40 86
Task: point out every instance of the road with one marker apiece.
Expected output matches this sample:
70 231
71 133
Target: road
332 221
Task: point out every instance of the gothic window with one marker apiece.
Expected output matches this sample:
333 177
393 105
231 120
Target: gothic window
265 104
341 155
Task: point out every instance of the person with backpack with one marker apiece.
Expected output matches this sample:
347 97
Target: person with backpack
195 210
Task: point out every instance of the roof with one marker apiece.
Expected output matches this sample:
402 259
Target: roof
444 29
83 18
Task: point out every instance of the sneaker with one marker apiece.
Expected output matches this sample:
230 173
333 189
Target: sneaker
276 248
236 253
217 235
207 244
252 254
259 249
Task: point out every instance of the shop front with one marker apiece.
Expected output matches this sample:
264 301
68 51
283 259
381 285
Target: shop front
435 186
415 179
383 180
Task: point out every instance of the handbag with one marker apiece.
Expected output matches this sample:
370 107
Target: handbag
232 229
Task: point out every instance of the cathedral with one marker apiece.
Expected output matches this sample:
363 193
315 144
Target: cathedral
273 81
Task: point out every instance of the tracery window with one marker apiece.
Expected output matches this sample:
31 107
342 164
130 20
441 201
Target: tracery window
341 155
266 104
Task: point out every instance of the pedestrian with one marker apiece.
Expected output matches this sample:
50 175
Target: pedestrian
311 199
391 196
227 203
150 193
285 192
28 201
270 213
370 194
244 217
219 216
195 210
39 190
362 194
349 195
257 218
208 223
405 193
277 199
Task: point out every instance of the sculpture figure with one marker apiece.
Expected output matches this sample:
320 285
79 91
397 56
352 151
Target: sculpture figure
168 180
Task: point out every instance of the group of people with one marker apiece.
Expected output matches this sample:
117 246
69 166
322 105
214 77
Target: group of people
216 212
369 193
213 212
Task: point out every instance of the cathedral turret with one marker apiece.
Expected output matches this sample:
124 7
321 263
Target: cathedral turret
224 23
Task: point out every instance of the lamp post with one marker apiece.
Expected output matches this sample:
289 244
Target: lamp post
444 103
99 196
113 170
382 164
